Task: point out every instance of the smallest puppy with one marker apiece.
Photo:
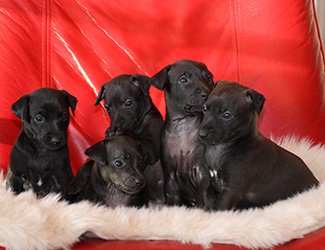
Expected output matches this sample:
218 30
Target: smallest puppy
251 170
113 176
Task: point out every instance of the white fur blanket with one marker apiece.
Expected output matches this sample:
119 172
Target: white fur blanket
30 223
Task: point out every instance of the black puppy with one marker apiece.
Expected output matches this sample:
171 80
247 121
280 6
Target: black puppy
39 158
187 85
114 175
250 169
132 113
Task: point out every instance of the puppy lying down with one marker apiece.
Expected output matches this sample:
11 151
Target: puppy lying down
248 169
113 176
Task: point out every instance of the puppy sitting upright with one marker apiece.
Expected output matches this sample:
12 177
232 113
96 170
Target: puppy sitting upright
132 113
187 180
39 158
251 169
113 176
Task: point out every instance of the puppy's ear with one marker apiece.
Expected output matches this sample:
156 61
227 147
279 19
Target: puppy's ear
97 152
142 82
255 100
101 95
159 80
71 100
215 85
20 108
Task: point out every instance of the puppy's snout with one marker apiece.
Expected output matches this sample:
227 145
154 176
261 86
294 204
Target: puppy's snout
138 181
55 140
118 122
204 96
204 93
203 133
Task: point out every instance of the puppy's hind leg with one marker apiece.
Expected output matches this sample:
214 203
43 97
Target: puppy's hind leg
227 199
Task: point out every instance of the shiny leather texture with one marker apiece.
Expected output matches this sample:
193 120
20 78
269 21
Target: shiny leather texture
272 46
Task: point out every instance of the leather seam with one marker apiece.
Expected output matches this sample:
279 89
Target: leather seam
46 45
233 13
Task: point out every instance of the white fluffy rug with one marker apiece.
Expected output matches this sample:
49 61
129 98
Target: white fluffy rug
30 223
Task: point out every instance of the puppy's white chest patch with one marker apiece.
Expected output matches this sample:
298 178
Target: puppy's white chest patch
40 182
181 139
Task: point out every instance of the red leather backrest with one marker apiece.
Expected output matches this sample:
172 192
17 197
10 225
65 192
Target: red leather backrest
272 46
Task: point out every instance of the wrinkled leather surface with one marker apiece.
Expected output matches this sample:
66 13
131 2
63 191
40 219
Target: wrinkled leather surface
77 45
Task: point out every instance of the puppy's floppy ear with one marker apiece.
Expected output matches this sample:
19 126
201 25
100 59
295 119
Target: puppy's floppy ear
159 80
97 152
215 85
71 100
100 95
21 108
255 99
142 82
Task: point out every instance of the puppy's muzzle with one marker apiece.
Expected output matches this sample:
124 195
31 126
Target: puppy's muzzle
208 136
54 142
134 184
196 101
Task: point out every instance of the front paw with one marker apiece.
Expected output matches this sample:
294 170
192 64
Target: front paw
27 185
113 131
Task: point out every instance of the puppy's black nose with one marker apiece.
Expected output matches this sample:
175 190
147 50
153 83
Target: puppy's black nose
56 140
204 96
203 133
204 93
138 182
120 122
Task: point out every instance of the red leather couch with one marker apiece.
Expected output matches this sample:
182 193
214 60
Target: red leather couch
273 46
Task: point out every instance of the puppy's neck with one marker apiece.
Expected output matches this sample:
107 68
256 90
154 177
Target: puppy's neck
150 108
246 139
182 119
99 185
176 113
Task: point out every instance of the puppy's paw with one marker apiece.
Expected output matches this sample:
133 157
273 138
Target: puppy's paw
113 131
75 186
27 185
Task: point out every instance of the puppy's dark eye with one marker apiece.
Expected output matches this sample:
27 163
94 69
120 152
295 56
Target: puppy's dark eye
128 103
205 109
108 108
65 116
183 79
227 115
118 163
39 118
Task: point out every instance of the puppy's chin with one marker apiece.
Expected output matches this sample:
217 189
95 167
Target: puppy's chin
210 140
52 146
129 190
127 124
192 109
